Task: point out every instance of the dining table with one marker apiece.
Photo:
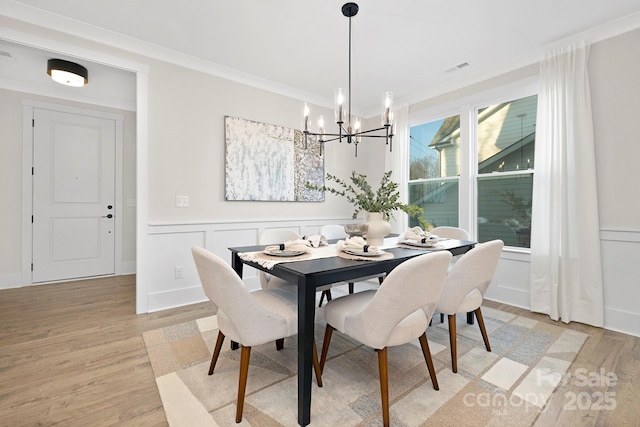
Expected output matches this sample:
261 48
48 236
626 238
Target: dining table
309 274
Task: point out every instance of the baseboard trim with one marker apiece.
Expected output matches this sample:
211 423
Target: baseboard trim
176 298
622 321
10 281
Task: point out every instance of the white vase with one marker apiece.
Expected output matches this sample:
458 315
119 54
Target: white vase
378 229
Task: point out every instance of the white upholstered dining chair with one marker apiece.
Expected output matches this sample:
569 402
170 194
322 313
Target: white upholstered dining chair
333 231
248 318
464 289
398 312
450 232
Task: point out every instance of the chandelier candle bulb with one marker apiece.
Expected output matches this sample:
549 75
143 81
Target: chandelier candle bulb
306 117
321 127
387 102
339 106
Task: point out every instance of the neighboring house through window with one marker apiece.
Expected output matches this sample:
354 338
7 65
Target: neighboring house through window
482 172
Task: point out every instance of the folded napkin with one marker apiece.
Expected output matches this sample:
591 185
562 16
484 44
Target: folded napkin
291 245
417 234
357 244
316 240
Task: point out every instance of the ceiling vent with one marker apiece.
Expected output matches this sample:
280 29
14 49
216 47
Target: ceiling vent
457 67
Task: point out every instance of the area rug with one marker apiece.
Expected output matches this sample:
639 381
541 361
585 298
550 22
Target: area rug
508 386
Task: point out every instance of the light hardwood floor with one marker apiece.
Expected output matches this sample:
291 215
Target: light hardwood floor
72 354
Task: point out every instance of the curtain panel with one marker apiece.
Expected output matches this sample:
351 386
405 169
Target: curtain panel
398 161
566 268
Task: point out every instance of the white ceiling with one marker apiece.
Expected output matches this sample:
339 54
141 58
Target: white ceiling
299 47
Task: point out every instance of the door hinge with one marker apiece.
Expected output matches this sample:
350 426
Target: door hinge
31 219
32 170
31 266
33 123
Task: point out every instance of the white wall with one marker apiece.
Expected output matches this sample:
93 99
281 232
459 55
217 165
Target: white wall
614 67
186 147
186 156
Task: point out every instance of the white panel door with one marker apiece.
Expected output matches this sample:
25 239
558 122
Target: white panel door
73 196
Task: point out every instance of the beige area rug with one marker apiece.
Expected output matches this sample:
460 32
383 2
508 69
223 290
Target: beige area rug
506 387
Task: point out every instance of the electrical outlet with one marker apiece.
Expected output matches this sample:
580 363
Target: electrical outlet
182 201
179 272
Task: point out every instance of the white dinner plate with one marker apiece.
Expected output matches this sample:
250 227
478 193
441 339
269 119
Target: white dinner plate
428 244
284 252
363 253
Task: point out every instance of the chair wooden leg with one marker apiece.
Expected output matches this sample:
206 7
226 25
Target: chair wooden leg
441 318
325 346
452 342
316 365
245 355
483 330
351 285
427 358
279 344
384 385
216 352
326 293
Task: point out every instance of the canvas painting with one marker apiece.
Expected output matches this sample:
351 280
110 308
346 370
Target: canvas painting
265 162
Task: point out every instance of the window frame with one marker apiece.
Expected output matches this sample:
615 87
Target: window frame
467 108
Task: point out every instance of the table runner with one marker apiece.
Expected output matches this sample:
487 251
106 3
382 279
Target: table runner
269 261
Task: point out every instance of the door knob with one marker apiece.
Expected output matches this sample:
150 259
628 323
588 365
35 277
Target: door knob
108 216
109 207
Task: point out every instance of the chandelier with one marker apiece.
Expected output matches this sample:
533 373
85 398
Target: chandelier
349 126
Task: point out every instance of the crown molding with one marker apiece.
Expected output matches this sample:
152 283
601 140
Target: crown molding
83 30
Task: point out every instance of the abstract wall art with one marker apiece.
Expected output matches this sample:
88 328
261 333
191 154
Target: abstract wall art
265 162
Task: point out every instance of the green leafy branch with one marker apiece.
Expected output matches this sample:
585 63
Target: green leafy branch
359 192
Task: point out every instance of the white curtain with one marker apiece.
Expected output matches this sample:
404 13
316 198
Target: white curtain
398 162
566 269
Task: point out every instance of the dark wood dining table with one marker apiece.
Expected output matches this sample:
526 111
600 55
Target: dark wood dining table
308 275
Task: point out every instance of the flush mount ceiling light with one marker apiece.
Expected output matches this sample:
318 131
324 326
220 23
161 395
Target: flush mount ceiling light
353 131
67 73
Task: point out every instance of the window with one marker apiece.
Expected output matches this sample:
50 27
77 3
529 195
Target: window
500 178
506 138
434 169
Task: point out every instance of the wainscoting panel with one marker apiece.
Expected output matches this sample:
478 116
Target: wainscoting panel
511 282
171 257
621 272
171 254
